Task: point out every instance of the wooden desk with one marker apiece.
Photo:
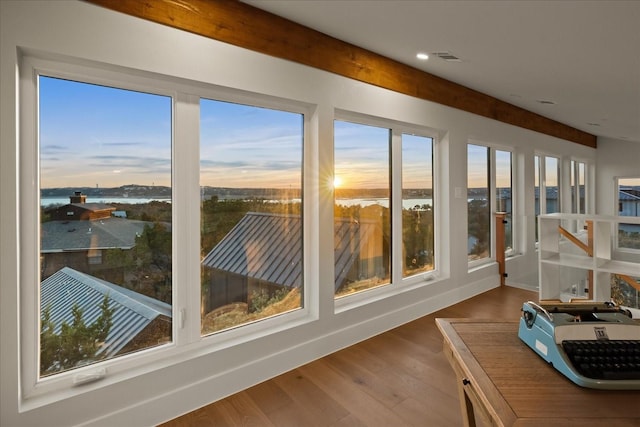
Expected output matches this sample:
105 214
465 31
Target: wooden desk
509 385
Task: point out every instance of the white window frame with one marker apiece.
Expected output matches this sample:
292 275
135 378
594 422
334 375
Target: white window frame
397 283
617 247
514 205
574 172
542 164
187 343
492 147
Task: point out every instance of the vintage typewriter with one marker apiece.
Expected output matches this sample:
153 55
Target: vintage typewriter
595 345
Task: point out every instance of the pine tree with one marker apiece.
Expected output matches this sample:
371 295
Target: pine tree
76 344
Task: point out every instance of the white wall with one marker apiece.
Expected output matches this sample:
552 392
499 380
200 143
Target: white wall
183 382
616 159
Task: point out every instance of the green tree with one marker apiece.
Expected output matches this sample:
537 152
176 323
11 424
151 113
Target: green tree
76 343
146 268
417 232
479 226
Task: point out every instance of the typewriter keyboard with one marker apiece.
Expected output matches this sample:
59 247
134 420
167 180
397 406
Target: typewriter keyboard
605 359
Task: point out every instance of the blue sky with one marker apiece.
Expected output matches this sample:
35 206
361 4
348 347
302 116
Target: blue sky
92 135
100 136
362 157
246 146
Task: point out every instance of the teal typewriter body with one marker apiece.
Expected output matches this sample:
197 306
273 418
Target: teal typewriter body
594 345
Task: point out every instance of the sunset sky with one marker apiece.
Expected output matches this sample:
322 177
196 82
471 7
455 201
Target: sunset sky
245 146
98 136
92 135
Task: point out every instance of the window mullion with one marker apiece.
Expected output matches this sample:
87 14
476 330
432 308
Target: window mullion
186 209
542 173
396 207
492 200
29 253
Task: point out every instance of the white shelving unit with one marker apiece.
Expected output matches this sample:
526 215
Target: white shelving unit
573 266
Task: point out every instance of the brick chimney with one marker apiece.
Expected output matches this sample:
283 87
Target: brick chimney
78 197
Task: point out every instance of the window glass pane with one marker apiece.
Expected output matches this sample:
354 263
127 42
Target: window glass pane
574 188
362 220
251 213
578 187
479 209
551 185
629 205
536 183
105 222
503 194
417 204
624 289
581 188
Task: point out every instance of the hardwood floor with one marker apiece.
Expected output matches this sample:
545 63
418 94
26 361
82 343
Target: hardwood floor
398 378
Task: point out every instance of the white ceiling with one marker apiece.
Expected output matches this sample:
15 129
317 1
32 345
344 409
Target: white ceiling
582 55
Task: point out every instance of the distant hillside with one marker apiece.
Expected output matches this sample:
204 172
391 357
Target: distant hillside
132 190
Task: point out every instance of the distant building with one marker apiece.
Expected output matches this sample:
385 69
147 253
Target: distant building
79 234
629 202
139 321
264 251
79 209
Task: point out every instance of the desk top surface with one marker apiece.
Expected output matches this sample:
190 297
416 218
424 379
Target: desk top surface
521 387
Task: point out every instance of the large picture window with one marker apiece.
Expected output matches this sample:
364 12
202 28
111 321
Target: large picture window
578 187
110 188
417 204
478 203
551 184
105 158
489 190
362 207
547 186
625 289
166 215
628 205
384 206
251 213
503 191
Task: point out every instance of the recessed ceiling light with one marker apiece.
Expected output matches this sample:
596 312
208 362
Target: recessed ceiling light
422 56
546 102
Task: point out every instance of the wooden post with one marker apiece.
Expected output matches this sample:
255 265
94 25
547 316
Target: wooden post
500 236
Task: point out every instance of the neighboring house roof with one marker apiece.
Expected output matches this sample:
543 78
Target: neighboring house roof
261 246
107 233
132 311
92 206
268 247
79 210
627 196
350 237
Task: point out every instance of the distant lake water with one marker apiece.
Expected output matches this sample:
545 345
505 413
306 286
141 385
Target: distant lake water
406 204
50 201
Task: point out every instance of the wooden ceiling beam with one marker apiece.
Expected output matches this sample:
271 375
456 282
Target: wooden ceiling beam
248 27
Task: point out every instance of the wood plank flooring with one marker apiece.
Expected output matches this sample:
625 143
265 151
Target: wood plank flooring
398 378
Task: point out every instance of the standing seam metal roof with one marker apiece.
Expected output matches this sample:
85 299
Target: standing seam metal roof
132 311
268 247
